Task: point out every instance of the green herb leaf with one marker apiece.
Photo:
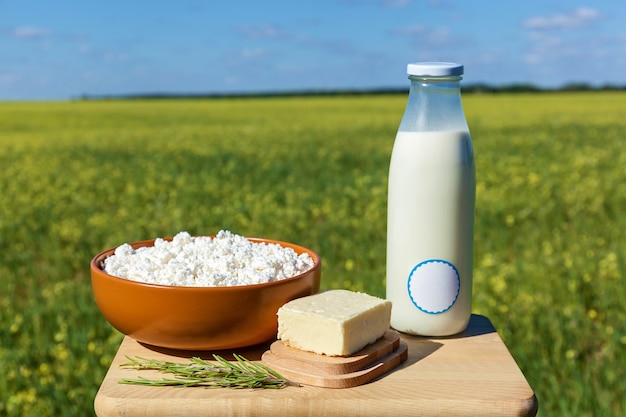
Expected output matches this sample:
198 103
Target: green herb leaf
202 373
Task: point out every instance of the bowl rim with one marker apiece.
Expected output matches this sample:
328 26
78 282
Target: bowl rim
97 259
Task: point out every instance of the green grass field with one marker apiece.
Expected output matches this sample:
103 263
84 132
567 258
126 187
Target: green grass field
80 177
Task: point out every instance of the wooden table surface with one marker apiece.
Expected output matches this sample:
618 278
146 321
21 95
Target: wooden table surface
471 374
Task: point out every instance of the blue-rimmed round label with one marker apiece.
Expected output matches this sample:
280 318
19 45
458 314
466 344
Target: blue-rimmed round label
434 286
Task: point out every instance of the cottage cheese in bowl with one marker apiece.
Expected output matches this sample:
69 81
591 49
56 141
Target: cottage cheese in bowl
201 293
227 259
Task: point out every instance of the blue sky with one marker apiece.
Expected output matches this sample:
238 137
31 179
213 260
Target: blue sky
64 48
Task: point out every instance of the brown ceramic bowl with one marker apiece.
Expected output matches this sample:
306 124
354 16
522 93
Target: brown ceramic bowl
198 318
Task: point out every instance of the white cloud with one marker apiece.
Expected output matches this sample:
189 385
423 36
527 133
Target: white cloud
396 3
115 57
264 32
7 78
572 51
29 32
410 30
429 36
575 19
532 58
433 4
552 40
253 53
440 4
545 41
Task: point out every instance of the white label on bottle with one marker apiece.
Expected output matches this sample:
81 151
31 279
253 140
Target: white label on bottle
434 286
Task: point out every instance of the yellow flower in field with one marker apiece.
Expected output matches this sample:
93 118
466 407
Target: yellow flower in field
61 352
349 265
510 220
498 283
533 178
60 336
572 285
547 247
24 397
567 311
481 187
592 314
525 298
487 261
570 354
46 380
44 369
17 323
568 262
25 371
59 287
608 266
105 360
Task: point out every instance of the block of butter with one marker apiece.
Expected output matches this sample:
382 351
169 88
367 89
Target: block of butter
333 323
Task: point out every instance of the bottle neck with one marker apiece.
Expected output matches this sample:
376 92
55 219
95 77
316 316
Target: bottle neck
434 104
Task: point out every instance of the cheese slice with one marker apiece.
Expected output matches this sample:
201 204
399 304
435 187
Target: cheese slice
333 323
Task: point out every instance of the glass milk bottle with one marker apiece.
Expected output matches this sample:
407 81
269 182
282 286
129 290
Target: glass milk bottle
430 224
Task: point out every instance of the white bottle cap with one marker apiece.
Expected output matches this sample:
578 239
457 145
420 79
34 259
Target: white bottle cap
434 69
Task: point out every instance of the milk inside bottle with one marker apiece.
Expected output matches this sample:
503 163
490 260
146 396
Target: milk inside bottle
431 197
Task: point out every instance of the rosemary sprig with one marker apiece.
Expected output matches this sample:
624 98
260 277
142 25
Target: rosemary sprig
202 373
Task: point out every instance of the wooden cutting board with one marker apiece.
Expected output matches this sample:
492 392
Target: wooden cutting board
468 374
337 371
